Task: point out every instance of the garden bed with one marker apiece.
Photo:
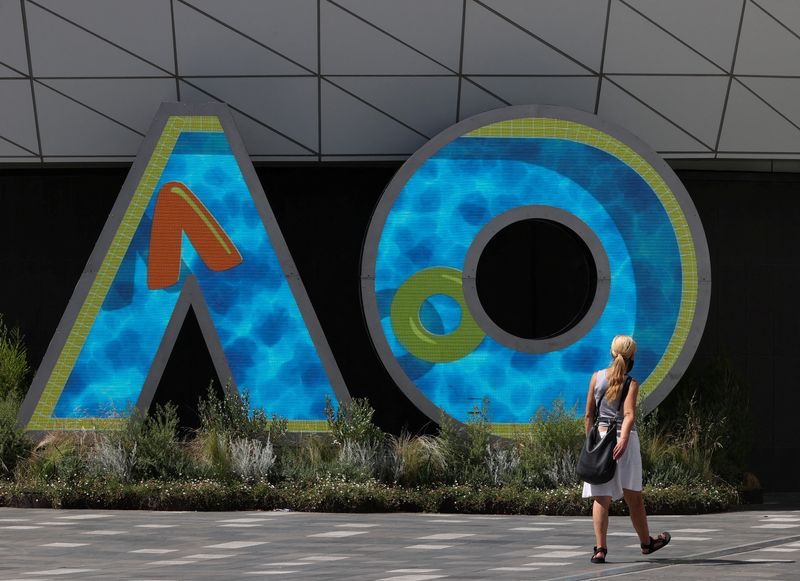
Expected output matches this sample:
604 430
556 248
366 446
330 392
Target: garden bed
342 496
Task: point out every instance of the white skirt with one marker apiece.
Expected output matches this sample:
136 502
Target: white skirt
628 475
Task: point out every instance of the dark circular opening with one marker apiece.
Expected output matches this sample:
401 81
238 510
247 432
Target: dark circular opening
536 279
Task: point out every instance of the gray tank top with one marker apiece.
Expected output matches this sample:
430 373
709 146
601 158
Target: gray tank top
605 408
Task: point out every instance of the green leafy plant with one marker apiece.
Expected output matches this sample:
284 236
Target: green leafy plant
550 445
335 495
466 447
230 415
60 456
352 422
308 458
212 453
702 431
14 368
14 443
479 435
147 447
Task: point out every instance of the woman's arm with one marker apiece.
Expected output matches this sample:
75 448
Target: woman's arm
629 409
590 404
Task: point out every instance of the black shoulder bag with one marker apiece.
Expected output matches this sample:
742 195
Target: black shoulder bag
596 464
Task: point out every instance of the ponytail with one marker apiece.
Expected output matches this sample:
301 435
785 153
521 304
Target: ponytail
616 377
622 349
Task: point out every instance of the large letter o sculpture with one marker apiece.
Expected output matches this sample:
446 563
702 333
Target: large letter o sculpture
532 162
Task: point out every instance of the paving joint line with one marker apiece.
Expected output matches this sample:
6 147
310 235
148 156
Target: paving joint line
627 569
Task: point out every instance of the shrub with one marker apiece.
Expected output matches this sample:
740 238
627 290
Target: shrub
14 368
311 456
503 461
417 461
453 441
212 451
251 460
147 447
159 454
62 456
550 447
358 461
352 422
14 443
466 446
708 416
230 415
331 495
112 457
668 459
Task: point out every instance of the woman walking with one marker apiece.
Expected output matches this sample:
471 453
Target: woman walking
602 402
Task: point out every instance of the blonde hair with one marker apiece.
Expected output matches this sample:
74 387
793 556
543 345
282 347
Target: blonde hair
622 349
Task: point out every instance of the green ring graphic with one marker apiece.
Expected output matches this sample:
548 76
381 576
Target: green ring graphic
412 334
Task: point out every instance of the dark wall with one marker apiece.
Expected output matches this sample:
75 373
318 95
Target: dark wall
51 219
752 223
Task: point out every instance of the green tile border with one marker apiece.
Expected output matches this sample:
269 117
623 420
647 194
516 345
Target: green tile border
42 418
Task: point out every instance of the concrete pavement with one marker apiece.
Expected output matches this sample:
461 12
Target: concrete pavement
763 543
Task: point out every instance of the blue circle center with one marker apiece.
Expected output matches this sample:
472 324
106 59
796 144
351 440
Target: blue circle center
440 314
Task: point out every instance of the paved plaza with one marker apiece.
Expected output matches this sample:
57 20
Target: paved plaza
81 544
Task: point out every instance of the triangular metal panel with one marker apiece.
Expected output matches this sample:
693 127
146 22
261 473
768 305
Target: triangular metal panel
289 28
766 47
473 100
352 127
68 128
575 26
635 45
288 104
12 36
493 45
693 102
352 47
434 28
258 139
709 26
751 126
133 102
61 49
781 93
143 27
8 72
620 108
11 150
206 47
19 126
787 12
427 104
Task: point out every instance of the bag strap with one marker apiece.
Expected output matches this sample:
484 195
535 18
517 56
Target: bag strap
624 392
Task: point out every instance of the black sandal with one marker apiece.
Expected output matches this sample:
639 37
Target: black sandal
599 560
661 541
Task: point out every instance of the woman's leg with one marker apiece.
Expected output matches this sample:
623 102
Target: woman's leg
600 519
635 502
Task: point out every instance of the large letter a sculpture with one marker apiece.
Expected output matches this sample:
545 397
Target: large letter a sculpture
191 228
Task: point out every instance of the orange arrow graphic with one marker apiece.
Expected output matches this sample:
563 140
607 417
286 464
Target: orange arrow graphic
178 210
